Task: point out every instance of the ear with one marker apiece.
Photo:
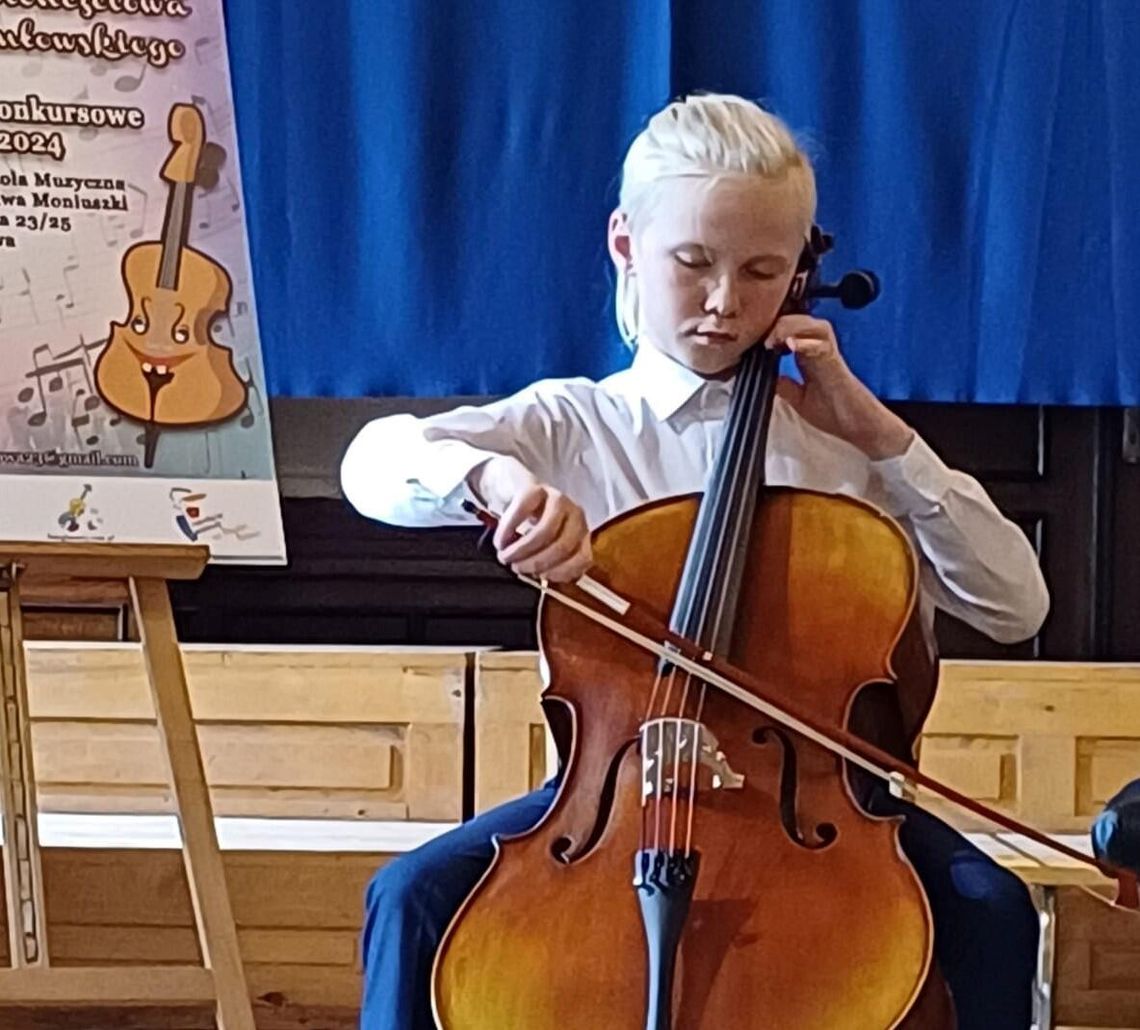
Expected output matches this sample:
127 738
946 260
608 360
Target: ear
620 239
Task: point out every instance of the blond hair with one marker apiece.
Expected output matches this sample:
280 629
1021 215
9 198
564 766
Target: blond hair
706 135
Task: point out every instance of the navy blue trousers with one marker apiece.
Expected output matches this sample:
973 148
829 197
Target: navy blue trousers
986 927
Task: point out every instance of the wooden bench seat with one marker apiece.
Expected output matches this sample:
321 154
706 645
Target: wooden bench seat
363 744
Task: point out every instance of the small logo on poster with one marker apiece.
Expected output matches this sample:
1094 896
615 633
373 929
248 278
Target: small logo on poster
80 520
196 524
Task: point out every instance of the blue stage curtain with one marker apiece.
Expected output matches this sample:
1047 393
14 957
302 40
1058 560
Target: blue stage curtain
428 182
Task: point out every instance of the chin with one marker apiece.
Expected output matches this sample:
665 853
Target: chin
710 361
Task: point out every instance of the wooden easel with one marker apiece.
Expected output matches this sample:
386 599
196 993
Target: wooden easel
98 573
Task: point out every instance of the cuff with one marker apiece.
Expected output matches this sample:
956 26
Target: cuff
451 462
915 482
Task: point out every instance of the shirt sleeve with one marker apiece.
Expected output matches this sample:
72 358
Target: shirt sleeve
977 564
410 471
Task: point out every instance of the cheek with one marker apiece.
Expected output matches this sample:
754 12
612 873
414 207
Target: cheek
672 294
765 299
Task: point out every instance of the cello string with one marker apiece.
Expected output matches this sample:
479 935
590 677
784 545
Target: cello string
677 764
755 377
748 473
656 686
726 487
649 712
720 497
659 762
693 771
738 480
722 683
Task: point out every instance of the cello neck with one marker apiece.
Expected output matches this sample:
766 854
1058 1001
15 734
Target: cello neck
175 230
714 568
187 132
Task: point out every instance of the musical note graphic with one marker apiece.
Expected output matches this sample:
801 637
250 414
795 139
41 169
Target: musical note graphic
212 47
46 365
215 121
71 264
82 407
27 292
207 218
111 225
254 407
65 299
129 83
210 223
36 418
138 229
235 200
88 132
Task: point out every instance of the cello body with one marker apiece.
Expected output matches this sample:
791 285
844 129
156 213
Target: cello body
804 911
205 386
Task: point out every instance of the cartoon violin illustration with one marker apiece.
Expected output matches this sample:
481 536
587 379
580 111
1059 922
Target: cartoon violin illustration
161 366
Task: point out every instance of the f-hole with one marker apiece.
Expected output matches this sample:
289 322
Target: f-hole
824 833
561 847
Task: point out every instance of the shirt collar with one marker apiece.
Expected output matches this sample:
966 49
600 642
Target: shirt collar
666 385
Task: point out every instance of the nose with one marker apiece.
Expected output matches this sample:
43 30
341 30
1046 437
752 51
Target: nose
722 297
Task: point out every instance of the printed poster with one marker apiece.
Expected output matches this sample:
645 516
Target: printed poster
132 391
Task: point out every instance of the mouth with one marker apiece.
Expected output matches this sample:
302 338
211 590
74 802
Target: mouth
713 336
159 358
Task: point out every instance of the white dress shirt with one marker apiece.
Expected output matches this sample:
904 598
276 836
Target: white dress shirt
652 431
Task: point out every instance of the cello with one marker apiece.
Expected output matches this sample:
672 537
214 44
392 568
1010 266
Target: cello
706 862
162 366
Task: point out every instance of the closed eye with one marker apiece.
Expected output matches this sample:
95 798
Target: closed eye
691 260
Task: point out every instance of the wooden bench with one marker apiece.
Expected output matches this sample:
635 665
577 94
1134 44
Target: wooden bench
301 834
1049 743
321 762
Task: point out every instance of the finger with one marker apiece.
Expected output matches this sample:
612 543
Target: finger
537 538
801 325
809 346
525 505
567 538
555 515
790 391
562 548
574 567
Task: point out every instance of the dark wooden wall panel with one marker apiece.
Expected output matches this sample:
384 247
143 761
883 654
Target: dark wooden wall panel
1123 534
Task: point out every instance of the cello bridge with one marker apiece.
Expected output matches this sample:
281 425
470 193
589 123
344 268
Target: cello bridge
668 749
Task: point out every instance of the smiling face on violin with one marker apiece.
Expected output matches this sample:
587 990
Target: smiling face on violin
712 259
